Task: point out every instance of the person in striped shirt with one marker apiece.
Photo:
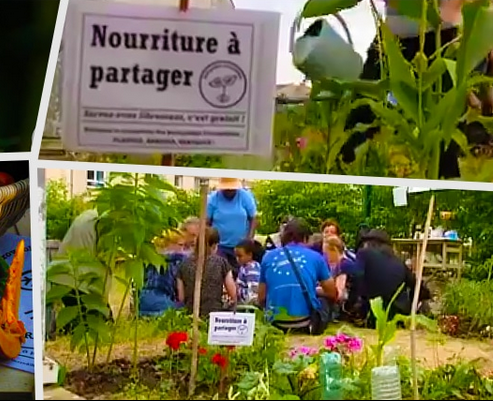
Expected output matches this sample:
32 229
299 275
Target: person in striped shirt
248 273
407 30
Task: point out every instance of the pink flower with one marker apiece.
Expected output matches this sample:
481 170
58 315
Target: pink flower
301 142
342 338
355 345
343 343
302 350
330 343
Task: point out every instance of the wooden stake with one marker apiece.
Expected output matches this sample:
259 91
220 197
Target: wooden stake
417 289
204 189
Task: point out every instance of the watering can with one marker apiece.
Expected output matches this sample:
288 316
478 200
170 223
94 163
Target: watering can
321 53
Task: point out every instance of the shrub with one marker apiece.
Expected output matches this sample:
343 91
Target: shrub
472 303
61 209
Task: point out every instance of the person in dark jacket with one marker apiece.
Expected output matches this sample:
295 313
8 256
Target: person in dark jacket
381 273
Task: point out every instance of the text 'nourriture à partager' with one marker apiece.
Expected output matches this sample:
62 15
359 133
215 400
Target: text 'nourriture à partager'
165 41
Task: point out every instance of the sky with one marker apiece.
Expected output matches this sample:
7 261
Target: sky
359 20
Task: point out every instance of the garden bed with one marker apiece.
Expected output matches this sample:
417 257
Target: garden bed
116 380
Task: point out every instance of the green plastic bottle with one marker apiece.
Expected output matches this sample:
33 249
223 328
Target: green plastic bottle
331 376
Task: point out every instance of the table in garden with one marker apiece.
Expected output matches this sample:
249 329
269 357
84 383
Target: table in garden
443 255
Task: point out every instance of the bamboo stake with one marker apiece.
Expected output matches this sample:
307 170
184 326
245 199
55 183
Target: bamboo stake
204 188
419 279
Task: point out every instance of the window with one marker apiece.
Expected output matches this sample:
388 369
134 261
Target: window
197 184
178 181
95 179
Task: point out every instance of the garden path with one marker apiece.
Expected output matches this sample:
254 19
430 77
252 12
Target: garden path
432 350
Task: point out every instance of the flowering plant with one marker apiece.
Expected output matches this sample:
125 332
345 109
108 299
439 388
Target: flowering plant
303 351
176 339
343 344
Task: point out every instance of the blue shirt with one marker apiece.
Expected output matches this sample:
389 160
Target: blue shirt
231 218
284 293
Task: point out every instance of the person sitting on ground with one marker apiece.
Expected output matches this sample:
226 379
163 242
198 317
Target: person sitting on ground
160 285
330 228
316 242
288 303
248 274
342 270
217 274
384 273
273 241
190 230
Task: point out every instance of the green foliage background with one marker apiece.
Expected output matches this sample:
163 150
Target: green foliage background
316 202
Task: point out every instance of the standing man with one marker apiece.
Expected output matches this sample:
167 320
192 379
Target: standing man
232 210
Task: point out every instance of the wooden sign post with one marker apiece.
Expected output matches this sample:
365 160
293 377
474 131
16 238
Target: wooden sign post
204 190
419 279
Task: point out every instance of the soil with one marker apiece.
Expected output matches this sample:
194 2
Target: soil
106 380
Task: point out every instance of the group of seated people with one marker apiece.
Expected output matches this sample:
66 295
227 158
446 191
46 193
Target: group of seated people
293 275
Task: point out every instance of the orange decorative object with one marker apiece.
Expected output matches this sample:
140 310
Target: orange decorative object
12 330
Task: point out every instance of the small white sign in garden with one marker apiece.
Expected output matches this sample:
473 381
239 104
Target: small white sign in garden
144 79
231 329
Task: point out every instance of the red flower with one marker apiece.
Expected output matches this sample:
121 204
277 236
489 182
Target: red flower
176 339
220 360
202 351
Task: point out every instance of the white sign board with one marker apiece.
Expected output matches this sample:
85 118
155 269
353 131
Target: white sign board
231 329
400 196
142 78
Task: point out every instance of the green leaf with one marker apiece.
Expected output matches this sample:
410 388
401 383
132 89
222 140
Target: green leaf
77 336
56 293
283 368
94 302
99 327
134 269
66 315
4 275
452 69
477 38
149 255
288 397
121 280
414 8
434 73
402 81
319 8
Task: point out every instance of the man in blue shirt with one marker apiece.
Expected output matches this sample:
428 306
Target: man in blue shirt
232 211
279 289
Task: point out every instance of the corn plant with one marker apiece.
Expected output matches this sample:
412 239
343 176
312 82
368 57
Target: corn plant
387 327
423 116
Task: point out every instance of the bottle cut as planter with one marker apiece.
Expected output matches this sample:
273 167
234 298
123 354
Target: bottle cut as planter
331 376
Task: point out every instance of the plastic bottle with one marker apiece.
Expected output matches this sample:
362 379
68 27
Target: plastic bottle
386 379
331 376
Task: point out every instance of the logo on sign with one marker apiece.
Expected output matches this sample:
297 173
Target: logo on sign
242 329
223 84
